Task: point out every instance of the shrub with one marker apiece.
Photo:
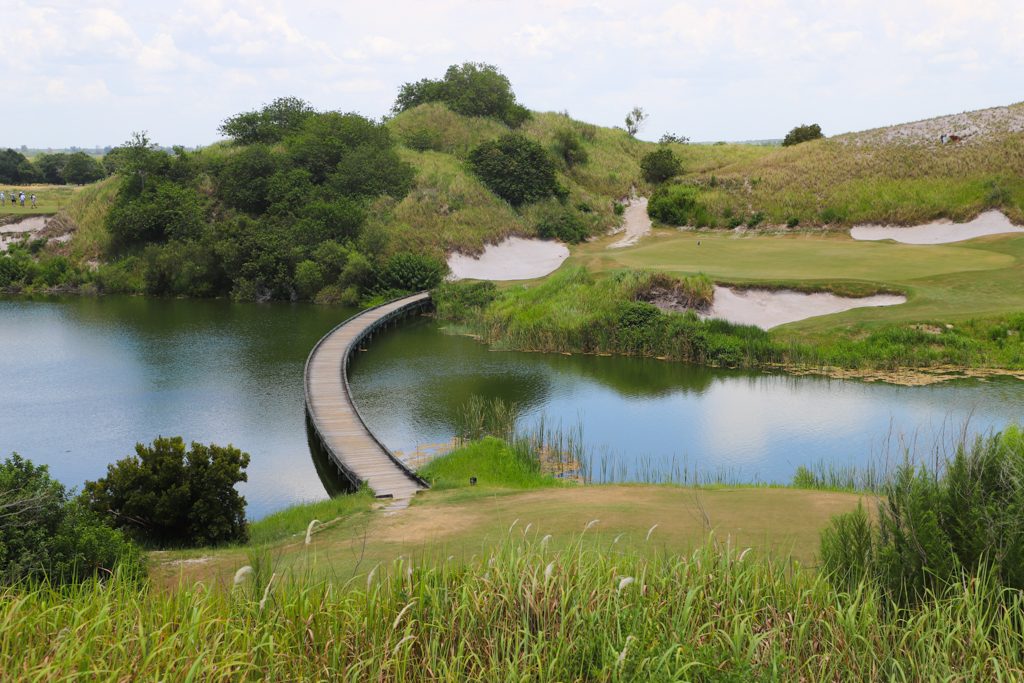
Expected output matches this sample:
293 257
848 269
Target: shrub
44 534
568 147
81 169
660 165
470 89
792 222
516 169
935 527
309 279
411 272
676 205
457 300
561 223
244 180
163 210
167 496
802 134
269 124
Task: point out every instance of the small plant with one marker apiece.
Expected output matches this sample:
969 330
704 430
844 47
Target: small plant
792 222
755 219
672 138
677 205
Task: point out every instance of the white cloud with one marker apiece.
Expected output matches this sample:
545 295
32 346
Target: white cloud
712 69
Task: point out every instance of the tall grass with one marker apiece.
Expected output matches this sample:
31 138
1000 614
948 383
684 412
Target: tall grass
524 611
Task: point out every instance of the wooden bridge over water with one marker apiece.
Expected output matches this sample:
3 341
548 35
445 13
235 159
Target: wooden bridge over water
335 421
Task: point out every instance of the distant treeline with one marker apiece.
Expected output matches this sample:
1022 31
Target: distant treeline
76 168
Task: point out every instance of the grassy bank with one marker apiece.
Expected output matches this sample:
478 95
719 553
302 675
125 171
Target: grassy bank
576 311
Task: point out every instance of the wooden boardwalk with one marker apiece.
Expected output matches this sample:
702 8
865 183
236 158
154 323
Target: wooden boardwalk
334 418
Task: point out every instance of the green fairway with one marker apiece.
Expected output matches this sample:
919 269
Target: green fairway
49 199
943 282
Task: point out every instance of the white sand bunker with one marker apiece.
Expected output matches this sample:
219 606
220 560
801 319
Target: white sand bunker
939 232
767 309
514 259
636 222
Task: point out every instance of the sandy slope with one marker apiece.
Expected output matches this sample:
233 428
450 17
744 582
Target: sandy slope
514 259
636 222
767 309
939 232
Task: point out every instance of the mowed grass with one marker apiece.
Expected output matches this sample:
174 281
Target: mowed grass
49 199
463 522
944 283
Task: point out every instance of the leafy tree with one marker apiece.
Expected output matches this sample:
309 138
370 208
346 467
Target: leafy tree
164 210
244 180
82 169
470 89
515 168
569 148
660 165
309 278
802 134
167 496
635 120
268 125
51 167
411 272
46 534
16 168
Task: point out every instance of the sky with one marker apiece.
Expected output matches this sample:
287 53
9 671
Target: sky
90 72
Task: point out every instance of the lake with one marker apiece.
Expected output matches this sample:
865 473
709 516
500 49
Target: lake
84 379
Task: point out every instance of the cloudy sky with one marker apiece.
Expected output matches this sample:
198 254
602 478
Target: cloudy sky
89 72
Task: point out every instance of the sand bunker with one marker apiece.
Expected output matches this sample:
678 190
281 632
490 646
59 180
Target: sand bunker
767 309
32 227
939 232
636 222
514 259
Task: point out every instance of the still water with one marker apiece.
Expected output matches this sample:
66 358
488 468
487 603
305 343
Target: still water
82 380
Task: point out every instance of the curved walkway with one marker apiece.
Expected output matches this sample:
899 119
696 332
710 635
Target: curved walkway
334 418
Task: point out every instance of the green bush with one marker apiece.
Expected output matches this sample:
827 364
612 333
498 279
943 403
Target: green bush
269 124
166 496
568 147
802 134
81 169
44 534
561 223
515 168
935 527
458 300
660 165
411 272
470 89
676 205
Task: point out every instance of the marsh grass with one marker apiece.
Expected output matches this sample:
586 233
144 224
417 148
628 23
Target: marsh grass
527 610
293 520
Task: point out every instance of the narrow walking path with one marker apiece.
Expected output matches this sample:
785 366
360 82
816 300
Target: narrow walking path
333 416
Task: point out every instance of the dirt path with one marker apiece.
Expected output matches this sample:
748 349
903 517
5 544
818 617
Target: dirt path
636 222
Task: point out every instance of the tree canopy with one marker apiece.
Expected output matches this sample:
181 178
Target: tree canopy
515 168
802 133
470 89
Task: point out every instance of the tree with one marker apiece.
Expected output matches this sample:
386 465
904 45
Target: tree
672 138
660 165
635 121
412 272
516 169
51 167
167 496
269 124
470 89
16 168
802 133
82 169
46 534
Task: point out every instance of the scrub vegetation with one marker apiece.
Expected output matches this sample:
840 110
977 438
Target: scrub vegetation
663 585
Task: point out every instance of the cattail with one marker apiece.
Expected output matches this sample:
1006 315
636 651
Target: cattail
527 529
625 581
398 619
549 571
309 531
617 538
743 554
590 524
369 577
544 541
650 531
242 574
513 525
